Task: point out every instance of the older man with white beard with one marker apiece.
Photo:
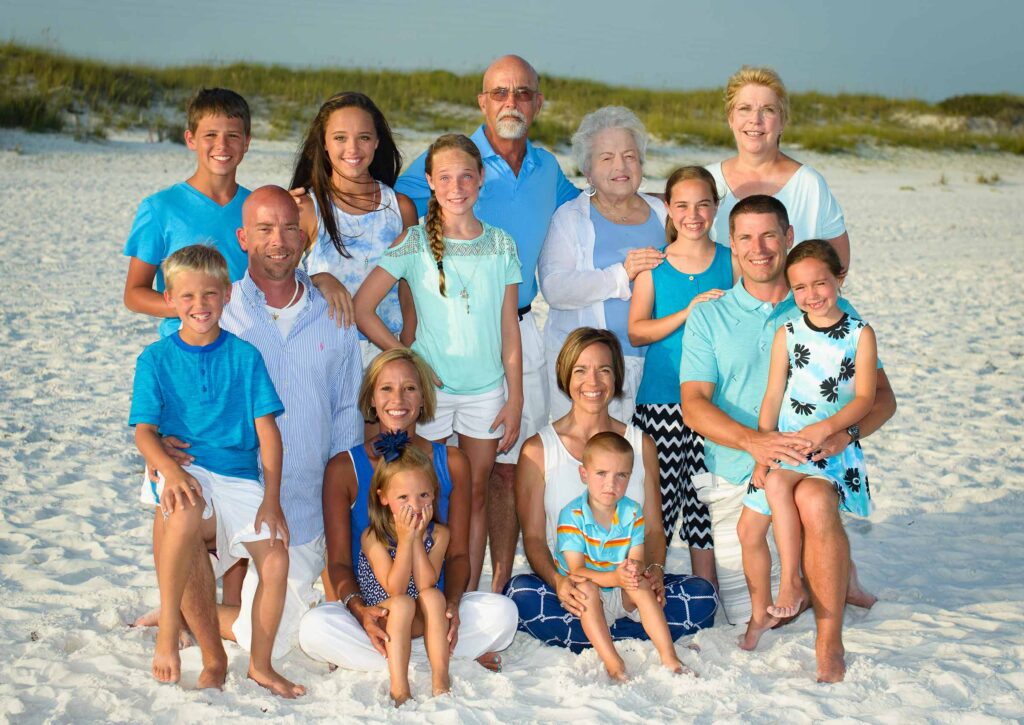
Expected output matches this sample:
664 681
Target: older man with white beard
523 185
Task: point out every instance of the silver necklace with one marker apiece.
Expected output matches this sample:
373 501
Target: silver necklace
277 315
464 294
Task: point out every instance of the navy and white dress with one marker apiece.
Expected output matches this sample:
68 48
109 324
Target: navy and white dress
821 373
369 588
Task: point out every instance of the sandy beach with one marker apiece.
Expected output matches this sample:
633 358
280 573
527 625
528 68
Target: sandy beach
937 269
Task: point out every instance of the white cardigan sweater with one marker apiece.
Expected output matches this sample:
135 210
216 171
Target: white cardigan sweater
574 290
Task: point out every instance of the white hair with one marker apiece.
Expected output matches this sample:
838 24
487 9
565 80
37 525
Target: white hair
601 120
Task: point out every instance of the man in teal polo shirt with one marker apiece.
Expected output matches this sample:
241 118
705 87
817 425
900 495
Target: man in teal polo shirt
523 185
723 375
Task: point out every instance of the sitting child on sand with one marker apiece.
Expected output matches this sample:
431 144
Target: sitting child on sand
600 537
401 558
204 385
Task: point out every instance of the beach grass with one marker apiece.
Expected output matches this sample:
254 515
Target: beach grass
40 89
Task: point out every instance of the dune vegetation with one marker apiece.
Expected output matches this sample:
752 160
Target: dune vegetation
45 90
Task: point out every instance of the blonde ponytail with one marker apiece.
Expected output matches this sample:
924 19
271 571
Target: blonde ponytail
435 235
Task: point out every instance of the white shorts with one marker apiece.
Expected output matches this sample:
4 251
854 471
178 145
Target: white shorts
305 563
468 415
611 600
536 402
620 408
234 501
330 633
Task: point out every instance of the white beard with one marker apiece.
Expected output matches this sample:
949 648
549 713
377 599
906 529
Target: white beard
512 126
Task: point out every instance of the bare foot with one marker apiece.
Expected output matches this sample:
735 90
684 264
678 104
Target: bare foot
678 668
400 698
213 675
856 594
152 619
149 619
787 604
442 684
166 661
755 628
617 672
831 663
490 661
276 683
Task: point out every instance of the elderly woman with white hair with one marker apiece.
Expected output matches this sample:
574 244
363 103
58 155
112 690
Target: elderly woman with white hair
599 242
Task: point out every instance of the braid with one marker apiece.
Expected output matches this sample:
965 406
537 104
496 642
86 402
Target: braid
435 236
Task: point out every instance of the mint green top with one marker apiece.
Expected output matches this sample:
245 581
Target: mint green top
459 334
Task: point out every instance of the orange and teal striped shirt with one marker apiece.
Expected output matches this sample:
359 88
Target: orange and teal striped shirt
603 549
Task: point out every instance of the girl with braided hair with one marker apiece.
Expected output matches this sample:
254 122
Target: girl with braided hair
464 276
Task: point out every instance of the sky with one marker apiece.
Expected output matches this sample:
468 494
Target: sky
929 49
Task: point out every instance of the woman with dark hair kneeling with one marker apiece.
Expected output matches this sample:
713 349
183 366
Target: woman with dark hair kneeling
589 370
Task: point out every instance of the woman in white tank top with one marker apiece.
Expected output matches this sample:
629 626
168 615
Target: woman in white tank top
589 370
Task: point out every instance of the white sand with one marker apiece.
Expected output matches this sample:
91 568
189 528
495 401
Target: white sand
937 270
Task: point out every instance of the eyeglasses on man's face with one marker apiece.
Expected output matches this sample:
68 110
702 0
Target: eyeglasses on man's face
522 94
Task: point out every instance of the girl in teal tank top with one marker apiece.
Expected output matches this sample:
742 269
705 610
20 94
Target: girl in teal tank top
695 270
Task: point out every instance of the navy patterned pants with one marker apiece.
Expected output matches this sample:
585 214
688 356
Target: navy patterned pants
690 604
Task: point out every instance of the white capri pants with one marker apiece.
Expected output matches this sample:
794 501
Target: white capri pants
331 633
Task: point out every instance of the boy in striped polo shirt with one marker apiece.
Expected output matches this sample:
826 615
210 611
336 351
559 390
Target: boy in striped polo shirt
600 537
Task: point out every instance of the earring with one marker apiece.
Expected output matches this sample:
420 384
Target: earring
590 189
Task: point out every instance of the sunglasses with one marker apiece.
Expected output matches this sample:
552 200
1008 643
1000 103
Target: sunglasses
521 94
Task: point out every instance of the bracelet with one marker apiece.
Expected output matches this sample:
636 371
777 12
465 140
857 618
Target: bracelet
348 598
654 563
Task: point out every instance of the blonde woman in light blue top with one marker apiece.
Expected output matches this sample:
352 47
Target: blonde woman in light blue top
464 276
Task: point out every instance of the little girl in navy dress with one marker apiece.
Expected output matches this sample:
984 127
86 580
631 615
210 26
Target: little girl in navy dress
402 554
821 381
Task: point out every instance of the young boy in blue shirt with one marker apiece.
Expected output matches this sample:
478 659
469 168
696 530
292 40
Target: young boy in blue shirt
206 208
600 536
204 385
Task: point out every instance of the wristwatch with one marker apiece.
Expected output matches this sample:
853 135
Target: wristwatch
854 433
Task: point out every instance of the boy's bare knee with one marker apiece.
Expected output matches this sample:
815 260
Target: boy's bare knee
185 520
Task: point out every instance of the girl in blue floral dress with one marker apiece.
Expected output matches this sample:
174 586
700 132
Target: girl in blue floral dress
821 381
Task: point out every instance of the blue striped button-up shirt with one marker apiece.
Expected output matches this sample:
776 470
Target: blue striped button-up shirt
317 372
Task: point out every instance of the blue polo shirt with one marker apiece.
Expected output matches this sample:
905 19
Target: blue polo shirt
728 342
180 216
208 395
521 205
603 549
